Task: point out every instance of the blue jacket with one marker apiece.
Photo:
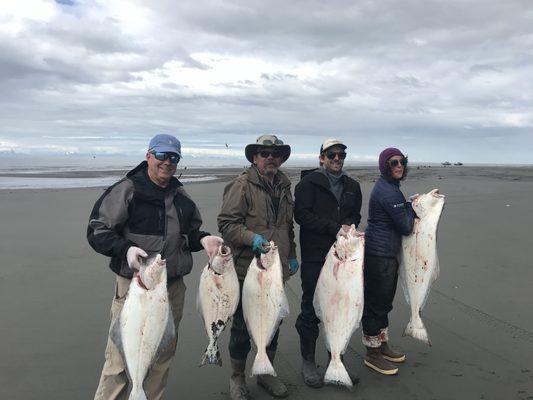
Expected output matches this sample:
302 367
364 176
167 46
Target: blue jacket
389 217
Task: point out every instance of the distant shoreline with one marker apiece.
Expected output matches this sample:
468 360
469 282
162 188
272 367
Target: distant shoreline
70 179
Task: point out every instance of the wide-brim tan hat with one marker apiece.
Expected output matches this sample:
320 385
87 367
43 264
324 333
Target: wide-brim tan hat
267 141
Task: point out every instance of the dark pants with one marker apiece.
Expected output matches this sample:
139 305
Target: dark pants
381 278
307 322
239 341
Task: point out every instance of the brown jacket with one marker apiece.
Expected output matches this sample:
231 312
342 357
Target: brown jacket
247 209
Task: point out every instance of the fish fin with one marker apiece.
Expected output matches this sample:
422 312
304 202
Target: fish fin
116 337
284 311
169 335
402 273
337 374
137 394
262 365
211 354
416 329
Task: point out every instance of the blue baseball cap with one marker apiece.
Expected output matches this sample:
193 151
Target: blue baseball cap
165 143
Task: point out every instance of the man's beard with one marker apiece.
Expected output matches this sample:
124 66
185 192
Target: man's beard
271 170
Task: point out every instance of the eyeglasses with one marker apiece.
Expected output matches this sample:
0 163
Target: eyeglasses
266 154
332 154
395 163
163 156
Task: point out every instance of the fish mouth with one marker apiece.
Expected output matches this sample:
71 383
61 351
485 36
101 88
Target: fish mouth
225 250
437 194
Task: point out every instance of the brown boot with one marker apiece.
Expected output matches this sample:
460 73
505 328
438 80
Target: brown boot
375 361
237 381
272 384
391 355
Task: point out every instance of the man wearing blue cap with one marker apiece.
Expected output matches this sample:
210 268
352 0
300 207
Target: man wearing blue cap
147 213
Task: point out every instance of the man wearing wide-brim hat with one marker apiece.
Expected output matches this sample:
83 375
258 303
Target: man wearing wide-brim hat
257 208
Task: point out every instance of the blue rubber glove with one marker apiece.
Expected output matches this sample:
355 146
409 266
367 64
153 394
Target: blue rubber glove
258 242
293 265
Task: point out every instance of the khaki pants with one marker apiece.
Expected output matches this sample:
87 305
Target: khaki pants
114 381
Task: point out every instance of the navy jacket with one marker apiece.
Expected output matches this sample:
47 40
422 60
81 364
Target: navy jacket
389 217
320 215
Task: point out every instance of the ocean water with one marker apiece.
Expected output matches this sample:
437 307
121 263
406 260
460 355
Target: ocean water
21 182
62 172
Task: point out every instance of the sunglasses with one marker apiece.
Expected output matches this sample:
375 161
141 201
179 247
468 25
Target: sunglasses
395 163
332 154
162 156
266 154
268 142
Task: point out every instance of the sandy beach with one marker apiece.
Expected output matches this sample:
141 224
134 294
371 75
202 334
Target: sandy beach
55 294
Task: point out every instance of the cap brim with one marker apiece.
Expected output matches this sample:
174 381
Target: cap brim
251 150
166 149
333 145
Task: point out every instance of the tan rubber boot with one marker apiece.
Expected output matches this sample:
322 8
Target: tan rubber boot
390 354
237 381
375 361
272 384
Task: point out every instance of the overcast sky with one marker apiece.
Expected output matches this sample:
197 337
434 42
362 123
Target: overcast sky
441 80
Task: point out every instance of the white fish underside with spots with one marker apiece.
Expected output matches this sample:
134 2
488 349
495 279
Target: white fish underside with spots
419 264
218 297
144 327
264 305
339 300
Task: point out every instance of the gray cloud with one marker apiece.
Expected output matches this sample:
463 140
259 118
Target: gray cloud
431 76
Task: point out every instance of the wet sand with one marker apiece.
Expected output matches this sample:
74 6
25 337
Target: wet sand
55 294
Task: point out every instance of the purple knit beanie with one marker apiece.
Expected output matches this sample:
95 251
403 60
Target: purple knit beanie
385 155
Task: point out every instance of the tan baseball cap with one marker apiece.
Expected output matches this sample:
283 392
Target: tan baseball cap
330 142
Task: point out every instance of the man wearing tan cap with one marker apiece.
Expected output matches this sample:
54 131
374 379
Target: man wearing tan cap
327 202
257 207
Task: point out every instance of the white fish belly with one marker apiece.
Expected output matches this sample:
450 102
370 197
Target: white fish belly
143 322
339 301
419 264
263 301
218 297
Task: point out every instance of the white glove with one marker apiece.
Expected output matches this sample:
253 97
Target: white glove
343 231
211 244
133 255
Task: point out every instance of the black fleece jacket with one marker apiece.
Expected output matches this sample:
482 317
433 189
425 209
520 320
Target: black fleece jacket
320 215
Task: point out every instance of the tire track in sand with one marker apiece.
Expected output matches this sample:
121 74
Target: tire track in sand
515 331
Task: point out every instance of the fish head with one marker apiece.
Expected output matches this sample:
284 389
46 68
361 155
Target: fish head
428 203
350 247
222 260
266 260
153 272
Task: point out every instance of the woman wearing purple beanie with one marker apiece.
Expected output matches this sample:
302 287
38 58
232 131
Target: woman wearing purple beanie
389 217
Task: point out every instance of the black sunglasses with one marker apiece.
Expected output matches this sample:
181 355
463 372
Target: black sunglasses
163 156
331 155
266 154
394 163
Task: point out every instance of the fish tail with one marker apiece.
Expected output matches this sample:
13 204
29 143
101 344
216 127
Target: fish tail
211 354
262 365
137 393
336 372
416 329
